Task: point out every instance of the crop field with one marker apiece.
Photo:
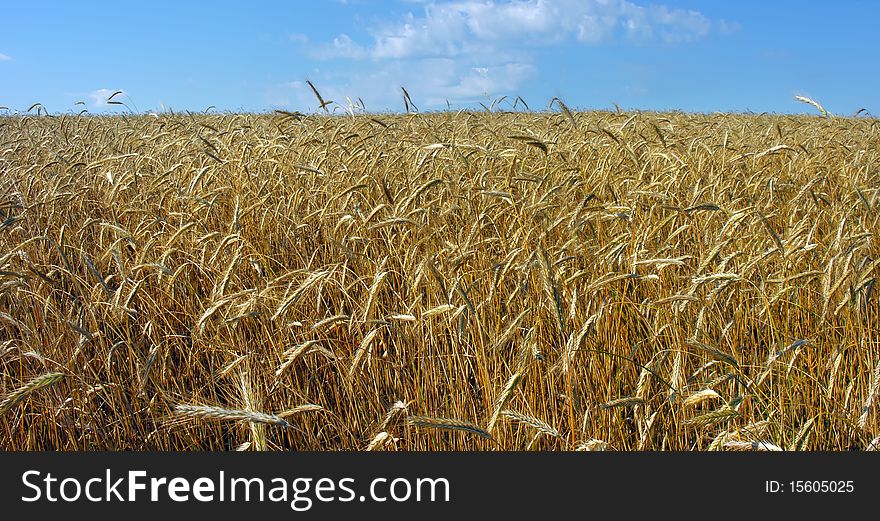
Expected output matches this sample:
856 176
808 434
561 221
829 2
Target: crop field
439 281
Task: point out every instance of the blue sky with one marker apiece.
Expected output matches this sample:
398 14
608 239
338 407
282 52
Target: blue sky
256 56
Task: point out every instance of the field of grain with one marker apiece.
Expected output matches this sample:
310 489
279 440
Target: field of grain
445 281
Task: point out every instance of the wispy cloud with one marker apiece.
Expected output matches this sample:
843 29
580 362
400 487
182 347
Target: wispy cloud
468 49
458 28
5 57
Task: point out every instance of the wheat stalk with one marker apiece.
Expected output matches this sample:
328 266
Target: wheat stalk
448 424
809 101
532 422
40 382
210 413
873 392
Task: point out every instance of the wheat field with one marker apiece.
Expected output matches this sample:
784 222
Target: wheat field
439 281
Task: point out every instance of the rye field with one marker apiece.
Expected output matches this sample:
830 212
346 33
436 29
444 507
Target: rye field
439 281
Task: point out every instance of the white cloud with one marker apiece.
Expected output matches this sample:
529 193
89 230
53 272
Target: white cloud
100 97
455 28
469 50
483 82
5 57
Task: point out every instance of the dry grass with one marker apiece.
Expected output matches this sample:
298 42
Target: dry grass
495 281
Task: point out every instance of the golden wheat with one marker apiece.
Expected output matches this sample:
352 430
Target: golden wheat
654 281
